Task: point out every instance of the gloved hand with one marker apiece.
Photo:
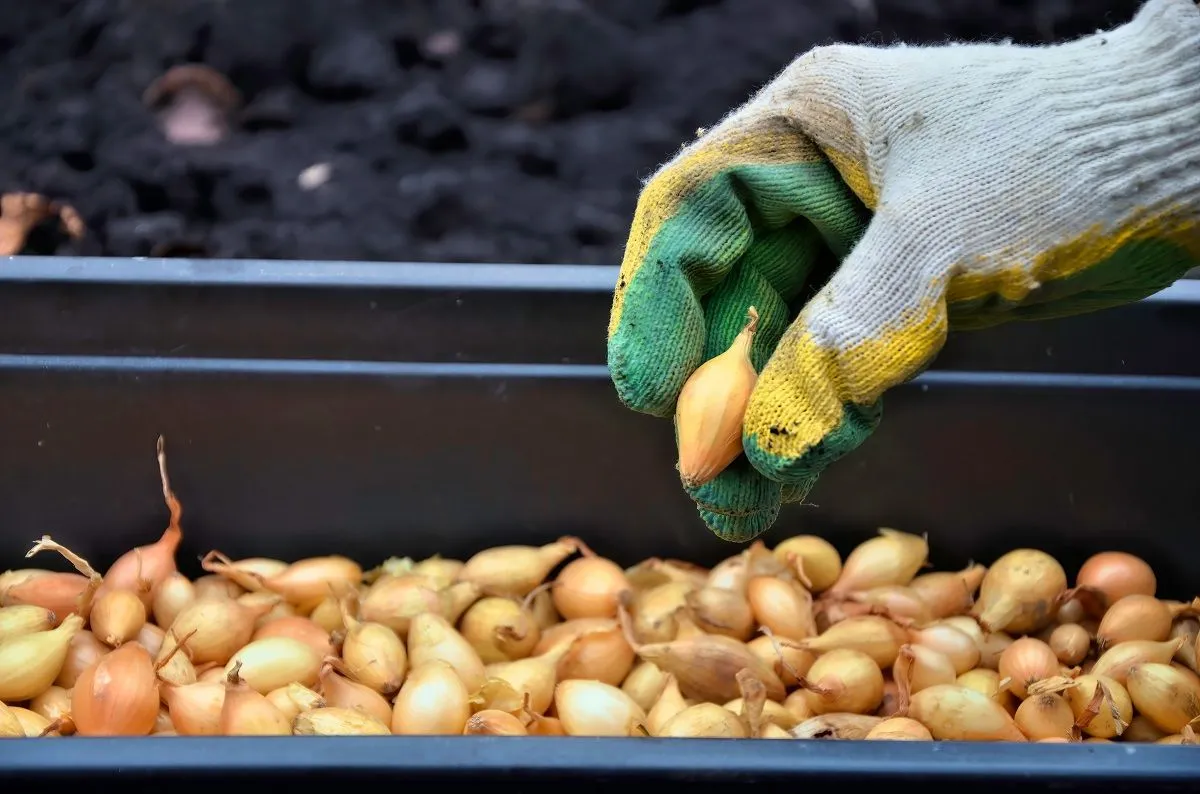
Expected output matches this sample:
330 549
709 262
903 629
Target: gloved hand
881 197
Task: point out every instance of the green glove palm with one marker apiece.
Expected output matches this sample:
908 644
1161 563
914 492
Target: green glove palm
869 199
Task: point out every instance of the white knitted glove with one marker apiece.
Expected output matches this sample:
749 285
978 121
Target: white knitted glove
1005 182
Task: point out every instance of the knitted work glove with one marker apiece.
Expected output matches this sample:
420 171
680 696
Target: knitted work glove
868 200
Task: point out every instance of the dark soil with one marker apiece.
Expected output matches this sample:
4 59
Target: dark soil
457 130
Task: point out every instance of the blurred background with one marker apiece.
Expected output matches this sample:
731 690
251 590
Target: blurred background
419 130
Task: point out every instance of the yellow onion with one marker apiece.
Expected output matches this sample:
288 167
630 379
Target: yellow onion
214 630
1020 592
875 636
151 638
955 713
958 647
374 656
394 601
330 721
599 655
1116 574
61 593
707 665
328 615
117 616
788 663
900 729
172 662
515 570
246 712
118 696
431 637
293 699
274 662
844 681
655 609
1045 716
433 700
993 646
948 593
589 587
705 720
306 583
443 572
988 682
666 706
782 606
891 558
1027 661
247 574
30 663
711 406
55 705
645 683
896 601
216 588
1070 643
1102 717
341 692
917 668
592 708
1134 617
1142 730
1167 696
298 628
1188 629
814 560
1118 660
83 651
490 722
500 629
24 619
720 610
772 713
195 709
174 594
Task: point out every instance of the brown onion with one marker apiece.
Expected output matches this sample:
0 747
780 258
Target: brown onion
891 558
1027 661
1134 617
1020 592
1070 643
1116 574
118 695
589 587
814 560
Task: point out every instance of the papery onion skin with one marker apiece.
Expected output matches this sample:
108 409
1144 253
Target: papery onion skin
330 721
1104 724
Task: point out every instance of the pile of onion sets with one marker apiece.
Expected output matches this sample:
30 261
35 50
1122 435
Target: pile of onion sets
793 642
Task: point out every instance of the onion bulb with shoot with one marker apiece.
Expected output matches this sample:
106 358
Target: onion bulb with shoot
117 696
875 636
1102 707
246 712
845 682
890 558
589 587
1134 617
1114 575
305 584
1020 592
955 713
591 708
711 407
515 570
1168 696
247 574
30 663
706 666
433 700
814 560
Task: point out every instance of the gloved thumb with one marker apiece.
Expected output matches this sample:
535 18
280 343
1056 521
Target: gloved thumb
878 321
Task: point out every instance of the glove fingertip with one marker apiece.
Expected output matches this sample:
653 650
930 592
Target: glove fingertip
739 504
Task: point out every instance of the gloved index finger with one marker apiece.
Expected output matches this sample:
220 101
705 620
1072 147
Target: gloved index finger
695 219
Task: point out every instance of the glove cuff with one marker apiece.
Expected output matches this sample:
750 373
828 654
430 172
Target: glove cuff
1127 104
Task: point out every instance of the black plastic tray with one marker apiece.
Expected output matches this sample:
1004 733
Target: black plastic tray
379 410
